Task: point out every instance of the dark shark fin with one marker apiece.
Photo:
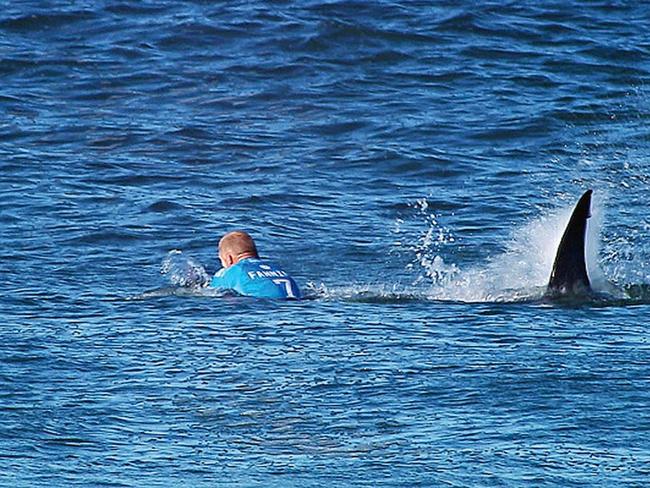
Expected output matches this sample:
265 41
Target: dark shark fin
569 274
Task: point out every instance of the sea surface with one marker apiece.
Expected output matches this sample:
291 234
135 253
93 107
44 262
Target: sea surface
412 164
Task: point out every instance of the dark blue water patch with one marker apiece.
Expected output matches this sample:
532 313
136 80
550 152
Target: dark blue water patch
39 22
518 130
132 9
163 206
277 198
509 56
186 35
137 180
588 69
629 54
107 237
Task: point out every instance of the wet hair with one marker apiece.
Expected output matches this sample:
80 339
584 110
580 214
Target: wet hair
238 242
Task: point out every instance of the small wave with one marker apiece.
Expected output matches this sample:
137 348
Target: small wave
163 206
43 21
180 291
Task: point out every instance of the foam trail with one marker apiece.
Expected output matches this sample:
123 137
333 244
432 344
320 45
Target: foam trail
522 271
362 292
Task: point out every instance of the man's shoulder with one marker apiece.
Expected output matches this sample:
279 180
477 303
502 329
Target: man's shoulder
258 263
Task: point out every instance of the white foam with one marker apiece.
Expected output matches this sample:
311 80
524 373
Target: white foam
183 271
522 271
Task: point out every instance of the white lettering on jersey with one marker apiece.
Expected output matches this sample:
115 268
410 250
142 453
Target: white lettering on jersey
267 274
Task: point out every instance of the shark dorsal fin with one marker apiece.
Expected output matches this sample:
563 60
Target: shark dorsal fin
569 274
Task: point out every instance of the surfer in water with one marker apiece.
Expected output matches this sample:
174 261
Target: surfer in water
244 272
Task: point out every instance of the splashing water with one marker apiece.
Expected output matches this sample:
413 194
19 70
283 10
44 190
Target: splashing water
427 247
184 271
187 277
522 271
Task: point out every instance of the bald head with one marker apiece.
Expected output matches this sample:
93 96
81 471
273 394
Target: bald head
235 246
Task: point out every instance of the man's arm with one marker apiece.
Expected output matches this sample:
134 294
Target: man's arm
220 280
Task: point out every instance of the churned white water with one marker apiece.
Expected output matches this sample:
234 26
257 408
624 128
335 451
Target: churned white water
522 270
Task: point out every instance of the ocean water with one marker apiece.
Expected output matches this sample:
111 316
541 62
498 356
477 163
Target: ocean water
412 164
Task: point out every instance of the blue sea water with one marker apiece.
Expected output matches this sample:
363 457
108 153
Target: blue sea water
412 164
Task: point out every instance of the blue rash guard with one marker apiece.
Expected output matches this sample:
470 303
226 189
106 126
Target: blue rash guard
256 278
